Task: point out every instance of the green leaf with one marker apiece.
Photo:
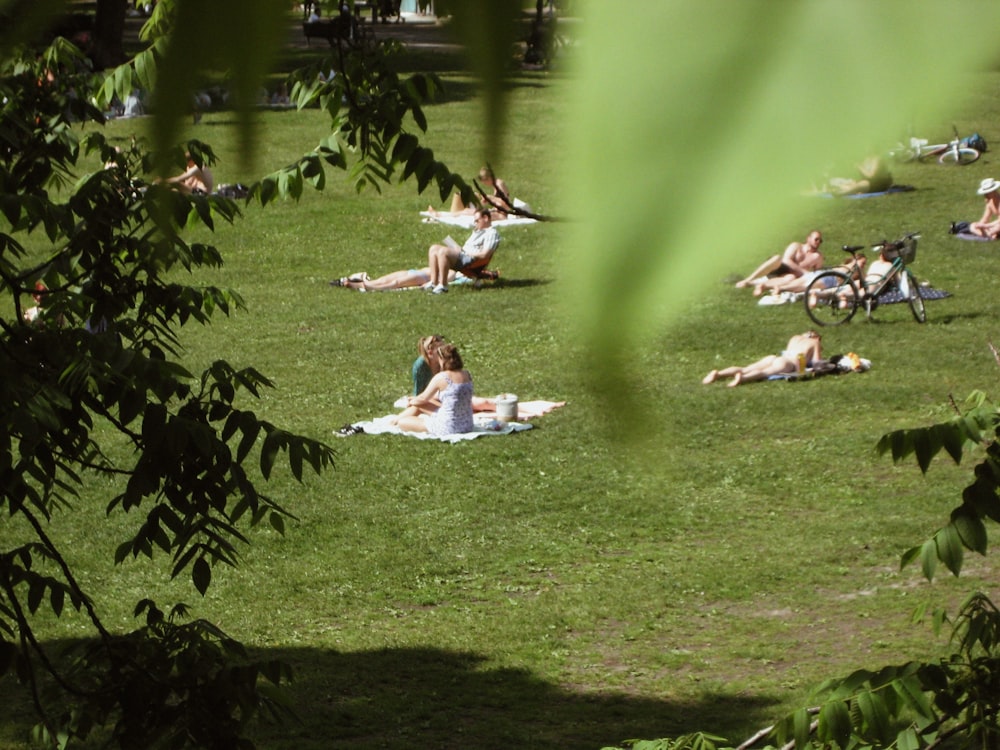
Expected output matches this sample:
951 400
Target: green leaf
875 715
201 575
910 692
796 102
268 452
949 548
971 529
801 725
834 723
929 559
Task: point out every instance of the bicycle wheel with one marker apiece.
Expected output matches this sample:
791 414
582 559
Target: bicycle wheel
831 299
959 156
914 298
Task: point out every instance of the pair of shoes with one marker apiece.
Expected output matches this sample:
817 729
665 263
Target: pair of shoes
350 429
439 289
339 282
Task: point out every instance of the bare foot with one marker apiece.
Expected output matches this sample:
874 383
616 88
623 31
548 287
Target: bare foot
737 379
710 378
758 290
742 284
432 211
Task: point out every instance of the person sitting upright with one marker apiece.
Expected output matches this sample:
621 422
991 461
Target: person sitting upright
798 259
475 254
989 224
196 179
451 388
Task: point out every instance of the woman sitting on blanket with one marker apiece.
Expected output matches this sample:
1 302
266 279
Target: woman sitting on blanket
451 388
808 344
427 364
499 200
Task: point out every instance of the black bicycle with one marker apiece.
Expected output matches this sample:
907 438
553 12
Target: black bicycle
833 297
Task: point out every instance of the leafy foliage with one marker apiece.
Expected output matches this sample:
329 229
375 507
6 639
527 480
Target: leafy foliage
93 368
977 426
204 687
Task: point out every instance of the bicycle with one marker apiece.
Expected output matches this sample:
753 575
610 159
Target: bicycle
833 297
953 152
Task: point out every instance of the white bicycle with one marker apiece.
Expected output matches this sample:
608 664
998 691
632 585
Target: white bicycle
920 149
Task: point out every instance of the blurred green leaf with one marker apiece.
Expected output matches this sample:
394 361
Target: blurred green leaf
713 130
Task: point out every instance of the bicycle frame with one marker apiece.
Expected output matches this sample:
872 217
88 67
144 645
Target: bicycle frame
834 295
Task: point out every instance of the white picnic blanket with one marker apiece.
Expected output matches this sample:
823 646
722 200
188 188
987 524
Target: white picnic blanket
484 426
468 221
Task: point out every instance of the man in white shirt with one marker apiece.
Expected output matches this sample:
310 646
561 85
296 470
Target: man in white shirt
474 255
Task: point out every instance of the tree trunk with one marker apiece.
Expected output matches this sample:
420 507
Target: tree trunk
109 30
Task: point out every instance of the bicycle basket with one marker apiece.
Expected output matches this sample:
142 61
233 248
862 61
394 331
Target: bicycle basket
907 250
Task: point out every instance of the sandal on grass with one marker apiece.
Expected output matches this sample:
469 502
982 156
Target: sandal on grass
350 429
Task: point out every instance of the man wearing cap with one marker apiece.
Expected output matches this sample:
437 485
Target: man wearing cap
989 225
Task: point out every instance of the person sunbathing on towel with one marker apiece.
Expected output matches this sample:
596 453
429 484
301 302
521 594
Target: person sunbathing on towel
798 259
798 284
873 176
497 201
808 344
405 279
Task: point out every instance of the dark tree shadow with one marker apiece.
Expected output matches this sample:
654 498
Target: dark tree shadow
401 699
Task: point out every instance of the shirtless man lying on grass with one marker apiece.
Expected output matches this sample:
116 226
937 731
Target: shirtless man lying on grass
798 259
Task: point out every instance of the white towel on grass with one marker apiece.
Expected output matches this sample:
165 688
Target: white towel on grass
383 425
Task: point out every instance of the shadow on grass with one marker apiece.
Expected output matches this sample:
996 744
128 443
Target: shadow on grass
399 699
406 698
515 283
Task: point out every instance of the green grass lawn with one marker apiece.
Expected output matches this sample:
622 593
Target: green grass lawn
592 579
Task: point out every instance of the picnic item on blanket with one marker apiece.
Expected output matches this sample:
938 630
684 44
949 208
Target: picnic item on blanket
506 407
836 365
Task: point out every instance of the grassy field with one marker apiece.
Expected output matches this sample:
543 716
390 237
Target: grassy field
589 580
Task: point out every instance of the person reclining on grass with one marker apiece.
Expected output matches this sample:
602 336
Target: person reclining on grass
798 284
874 273
808 343
798 258
873 176
499 202
405 279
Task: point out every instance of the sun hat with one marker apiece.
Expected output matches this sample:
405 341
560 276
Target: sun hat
987 186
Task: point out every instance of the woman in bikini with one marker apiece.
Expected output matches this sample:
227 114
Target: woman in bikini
808 344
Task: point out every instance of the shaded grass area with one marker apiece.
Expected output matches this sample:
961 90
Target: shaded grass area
586 581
